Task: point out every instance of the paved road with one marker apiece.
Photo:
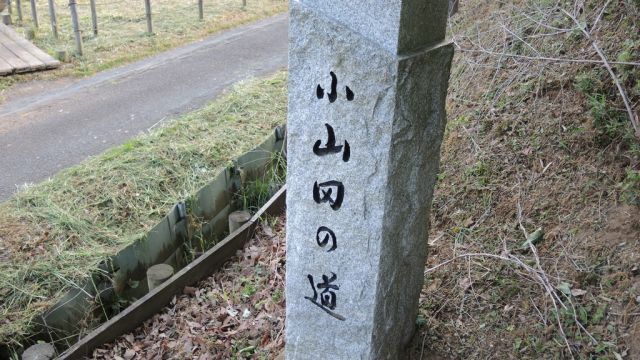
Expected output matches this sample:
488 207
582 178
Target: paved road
43 133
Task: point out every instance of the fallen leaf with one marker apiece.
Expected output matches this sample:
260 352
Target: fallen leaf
578 292
246 313
188 290
268 231
465 283
533 239
194 325
129 354
232 312
564 287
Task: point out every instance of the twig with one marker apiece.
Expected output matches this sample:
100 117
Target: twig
524 231
475 144
538 275
519 38
595 23
545 280
546 58
423 340
542 317
632 117
575 318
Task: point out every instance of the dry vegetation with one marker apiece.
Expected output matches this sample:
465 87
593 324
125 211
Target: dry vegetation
237 313
122 26
535 222
540 146
52 235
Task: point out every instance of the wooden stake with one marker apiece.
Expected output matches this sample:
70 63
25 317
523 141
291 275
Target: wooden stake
19 9
40 351
62 55
76 26
201 9
157 274
94 17
147 7
237 219
52 17
34 13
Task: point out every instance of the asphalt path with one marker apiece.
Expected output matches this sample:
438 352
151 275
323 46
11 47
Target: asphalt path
42 133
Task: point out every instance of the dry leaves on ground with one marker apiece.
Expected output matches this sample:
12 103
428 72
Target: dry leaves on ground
236 313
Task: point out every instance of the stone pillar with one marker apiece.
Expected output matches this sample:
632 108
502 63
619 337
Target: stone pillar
367 88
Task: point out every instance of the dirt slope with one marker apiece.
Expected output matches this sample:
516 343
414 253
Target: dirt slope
538 138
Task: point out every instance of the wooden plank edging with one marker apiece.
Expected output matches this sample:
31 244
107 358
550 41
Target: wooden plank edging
147 306
5 68
67 321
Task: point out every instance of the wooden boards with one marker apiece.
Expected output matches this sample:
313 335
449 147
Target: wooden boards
17 55
144 308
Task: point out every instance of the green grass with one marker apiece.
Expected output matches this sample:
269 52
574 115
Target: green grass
54 233
122 27
254 194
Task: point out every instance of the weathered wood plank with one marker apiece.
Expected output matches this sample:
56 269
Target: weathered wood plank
27 51
5 68
155 300
32 63
46 59
16 63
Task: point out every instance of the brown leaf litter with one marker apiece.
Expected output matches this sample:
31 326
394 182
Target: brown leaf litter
237 312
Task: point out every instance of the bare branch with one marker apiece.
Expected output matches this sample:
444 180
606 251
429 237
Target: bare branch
537 274
595 23
545 58
632 117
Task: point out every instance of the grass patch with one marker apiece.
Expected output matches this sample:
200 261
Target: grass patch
254 194
122 36
54 233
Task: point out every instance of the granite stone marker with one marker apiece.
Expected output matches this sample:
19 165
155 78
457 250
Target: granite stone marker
367 88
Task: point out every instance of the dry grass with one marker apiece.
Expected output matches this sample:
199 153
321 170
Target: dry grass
122 36
538 137
531 144
54 233
535 140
